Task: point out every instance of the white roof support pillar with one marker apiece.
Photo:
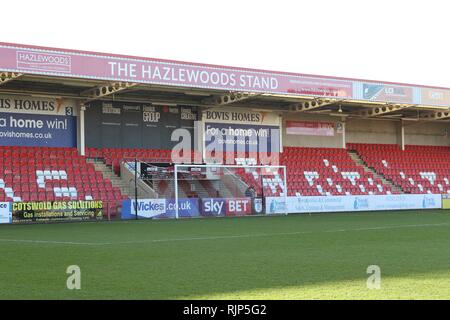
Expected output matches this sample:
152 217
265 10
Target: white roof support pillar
81 130
344 141
401 135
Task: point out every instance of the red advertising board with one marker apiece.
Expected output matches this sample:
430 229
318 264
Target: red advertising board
238 207
110 67
322 88
142 70
310 128
436 97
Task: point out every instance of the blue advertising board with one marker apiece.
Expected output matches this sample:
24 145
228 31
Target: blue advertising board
160 208
43 130
187 207
242 137
214 207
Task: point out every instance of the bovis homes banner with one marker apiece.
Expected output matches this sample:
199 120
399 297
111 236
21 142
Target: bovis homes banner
35 121
241 130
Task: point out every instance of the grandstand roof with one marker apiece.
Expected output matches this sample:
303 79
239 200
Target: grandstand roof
90 76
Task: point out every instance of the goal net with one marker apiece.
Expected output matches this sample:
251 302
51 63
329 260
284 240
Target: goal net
228 190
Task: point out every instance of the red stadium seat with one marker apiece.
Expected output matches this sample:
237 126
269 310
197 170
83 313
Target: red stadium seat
19 167
417 169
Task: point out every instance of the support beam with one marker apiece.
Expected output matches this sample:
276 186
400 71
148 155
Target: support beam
401 135
436 115
314 104
226 99
82 134
344 139
106 90
384 109
8 76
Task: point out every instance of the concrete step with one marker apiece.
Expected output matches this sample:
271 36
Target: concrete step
357 159
107 173
170 191
226 193
201 191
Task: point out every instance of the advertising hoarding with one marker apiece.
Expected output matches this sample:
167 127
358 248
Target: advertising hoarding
160 208
23 212
35 121
310 128
101 66
306 204
391 93
5 213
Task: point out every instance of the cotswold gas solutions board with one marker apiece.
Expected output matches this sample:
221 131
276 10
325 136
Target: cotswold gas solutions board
32 121
76 210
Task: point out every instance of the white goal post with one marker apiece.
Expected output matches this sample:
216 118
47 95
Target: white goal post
178 168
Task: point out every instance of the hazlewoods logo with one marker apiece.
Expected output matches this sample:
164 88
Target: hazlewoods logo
50 62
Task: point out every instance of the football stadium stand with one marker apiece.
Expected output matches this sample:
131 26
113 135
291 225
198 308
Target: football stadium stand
311 171
53 174
417 169
72 123
326 171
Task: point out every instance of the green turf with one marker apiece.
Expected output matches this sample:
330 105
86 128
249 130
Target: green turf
296 257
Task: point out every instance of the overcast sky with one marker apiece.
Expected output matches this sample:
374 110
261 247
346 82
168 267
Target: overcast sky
399 41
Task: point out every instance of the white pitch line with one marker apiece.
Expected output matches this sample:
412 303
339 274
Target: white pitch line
392 227
222 237
56 242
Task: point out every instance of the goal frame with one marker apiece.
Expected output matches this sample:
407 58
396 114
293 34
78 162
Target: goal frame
177 166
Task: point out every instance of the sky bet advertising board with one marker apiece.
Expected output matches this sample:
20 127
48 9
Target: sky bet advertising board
216 207
160 208
33 121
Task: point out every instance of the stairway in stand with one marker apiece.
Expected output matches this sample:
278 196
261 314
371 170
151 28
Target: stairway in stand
357 159
109 174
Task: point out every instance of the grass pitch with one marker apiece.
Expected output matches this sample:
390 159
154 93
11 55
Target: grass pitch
322 256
